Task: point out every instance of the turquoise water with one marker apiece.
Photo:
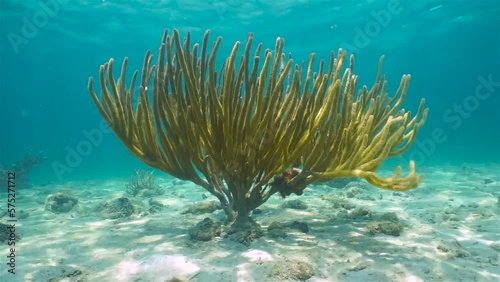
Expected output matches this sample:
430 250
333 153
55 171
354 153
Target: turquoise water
49 48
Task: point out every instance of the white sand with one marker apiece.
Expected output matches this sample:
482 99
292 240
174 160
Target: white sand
451 225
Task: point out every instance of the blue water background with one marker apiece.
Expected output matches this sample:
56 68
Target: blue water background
48 50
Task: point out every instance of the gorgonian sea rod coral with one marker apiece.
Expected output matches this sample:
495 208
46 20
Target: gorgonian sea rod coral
260 124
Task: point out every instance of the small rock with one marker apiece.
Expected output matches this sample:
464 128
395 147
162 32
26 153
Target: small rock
22 215
388 224
488 181
276 230
121 207
257 211
358 267
205 230
5 233
295 204
385 227
291 270
203 207
60 203
298 225
390 216
155 206
353 192
360 213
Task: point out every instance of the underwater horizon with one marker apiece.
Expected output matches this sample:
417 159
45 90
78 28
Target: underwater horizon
49 49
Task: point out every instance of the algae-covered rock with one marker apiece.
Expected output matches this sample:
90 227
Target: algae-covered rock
453 249
23 214
338 202
385 227
120 207
291 270
155 206
389 216
276 230
60 203
205 230
8 232
279 230
245 234
360 184
360 213
353 191
203 207
295 204
298 225
388 224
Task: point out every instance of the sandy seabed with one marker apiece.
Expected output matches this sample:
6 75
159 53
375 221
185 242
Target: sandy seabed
451 233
